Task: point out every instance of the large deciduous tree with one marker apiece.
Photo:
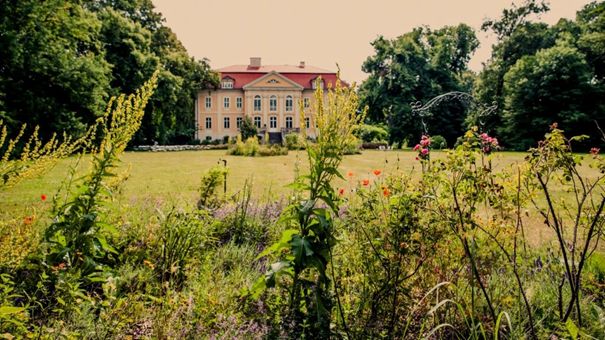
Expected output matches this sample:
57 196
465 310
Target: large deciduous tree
53 70
416 67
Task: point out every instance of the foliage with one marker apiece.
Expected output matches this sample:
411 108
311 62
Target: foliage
305 249
63 59
415 67
248 129
183 237
371 133
294 141
253 148
34 157
78 237
521 75
439 142
211 181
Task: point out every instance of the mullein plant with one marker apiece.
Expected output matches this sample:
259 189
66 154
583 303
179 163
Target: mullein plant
77 237
26 157
304 253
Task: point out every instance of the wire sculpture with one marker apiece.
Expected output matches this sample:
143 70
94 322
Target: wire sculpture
479 111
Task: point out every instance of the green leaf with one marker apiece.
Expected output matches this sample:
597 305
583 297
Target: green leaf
572 329
7 310
284 242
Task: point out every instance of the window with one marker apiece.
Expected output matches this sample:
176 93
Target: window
316 81
273 122
288 122
226 102
306 102
273 103
226 123
289 103
227 83
238 102
307 122
208 123
257 121
238 122
208 102
257 105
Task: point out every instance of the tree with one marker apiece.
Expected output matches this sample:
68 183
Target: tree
53 70
554 85
247 129
416 67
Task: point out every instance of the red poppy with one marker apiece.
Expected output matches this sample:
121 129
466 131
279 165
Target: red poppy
43 197
28 220
341 191
365 182
377 172
386 192
350 174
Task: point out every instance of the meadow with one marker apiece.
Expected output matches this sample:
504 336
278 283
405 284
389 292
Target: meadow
466 243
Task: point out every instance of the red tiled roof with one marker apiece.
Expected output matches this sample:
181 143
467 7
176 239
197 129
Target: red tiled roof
303 76
269 68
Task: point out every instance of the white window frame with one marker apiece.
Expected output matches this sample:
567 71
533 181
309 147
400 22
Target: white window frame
208 123
289 103
289 121
307 122
239 121
258 121
208 102
306 102
226 123
226 102
227 84
239 102
258 103
273 122
273 103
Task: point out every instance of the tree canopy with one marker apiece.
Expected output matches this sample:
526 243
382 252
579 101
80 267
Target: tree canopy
61 60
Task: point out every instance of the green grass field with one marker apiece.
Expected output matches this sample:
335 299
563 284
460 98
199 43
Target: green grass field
175 176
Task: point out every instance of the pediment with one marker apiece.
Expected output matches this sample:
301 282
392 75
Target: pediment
273 80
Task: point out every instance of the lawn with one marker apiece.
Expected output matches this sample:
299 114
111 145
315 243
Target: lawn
175 176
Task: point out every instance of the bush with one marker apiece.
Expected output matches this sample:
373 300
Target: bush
294 141
438 142
371 133
253 148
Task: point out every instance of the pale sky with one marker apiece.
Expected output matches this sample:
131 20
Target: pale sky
324 32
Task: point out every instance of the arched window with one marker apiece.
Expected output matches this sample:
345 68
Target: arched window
257 103
273 103
288 103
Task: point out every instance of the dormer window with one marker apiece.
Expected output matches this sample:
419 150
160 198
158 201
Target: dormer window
315 82
227 83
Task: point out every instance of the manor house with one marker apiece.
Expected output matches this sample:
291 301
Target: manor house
269 94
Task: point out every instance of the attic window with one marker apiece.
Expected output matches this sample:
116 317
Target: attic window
227 83
273 81
314 83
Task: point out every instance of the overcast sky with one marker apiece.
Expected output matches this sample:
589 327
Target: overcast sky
323 32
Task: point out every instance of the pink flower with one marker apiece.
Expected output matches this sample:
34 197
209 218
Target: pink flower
484 136
425 151
494 142
594 151
417 147
425 142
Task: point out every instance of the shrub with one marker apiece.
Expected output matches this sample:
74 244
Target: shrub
252 148
438 142
247 129
294 141
371 133
211 182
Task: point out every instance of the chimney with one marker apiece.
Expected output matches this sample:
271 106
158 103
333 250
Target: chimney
302 64
254 62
